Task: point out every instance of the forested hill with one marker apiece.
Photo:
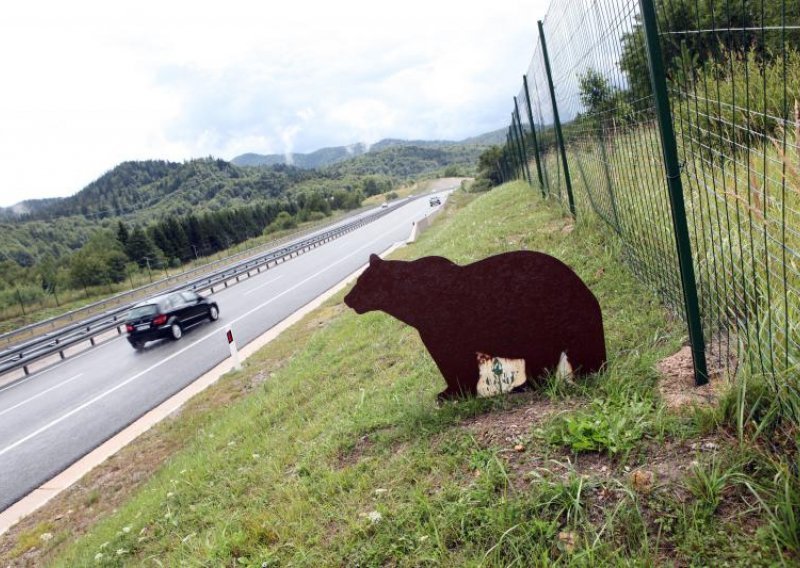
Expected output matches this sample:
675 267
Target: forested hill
407 161
148 192
167 188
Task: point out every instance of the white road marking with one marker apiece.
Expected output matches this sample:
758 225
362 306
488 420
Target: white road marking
262 285
34 397
59 364
135 377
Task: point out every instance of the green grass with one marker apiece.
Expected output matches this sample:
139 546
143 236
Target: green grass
343 458
742 211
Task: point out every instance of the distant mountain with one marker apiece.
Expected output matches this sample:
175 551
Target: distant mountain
318 159
493 138
336 154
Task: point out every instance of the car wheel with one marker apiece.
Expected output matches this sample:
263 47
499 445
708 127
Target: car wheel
213 313
138 345
176 331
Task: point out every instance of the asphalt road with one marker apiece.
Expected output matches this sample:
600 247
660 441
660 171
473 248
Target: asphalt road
54 417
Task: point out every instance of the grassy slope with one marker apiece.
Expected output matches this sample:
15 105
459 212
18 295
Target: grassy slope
346 426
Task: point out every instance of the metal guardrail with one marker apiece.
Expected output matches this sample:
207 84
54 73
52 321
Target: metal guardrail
56 323
22 355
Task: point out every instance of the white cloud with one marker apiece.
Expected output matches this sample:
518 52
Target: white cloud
89 84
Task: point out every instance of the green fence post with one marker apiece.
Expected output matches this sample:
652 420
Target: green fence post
522 142
511 152
533 135
518 151
675 189
512 133
557 121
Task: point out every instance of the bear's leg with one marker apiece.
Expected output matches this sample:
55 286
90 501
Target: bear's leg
460 371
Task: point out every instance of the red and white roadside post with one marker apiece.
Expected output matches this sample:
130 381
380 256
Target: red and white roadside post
237 363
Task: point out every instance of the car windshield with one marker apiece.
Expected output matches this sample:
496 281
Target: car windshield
142 311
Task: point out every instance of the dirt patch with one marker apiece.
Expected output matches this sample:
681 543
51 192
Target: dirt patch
352 456
677 375
510 428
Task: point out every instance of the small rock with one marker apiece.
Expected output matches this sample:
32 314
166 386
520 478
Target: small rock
709 446
642 480
380 491
374 516
566 541
44 537
519 448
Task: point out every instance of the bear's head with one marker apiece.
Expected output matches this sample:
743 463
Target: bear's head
371 288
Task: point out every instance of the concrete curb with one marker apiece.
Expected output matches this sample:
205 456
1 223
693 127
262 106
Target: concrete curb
47 491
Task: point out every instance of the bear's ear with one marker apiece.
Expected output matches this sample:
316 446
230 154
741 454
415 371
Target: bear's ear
374 259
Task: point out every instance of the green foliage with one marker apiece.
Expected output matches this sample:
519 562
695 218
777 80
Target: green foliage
452 171
141 248
101 261
690 16
612 426
602 100
490 173
282 222
726 88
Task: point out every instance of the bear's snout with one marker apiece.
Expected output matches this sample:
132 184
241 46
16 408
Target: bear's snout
351 300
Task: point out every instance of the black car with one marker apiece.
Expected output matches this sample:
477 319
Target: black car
167 316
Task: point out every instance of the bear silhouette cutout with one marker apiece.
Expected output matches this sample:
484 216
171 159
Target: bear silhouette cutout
517 305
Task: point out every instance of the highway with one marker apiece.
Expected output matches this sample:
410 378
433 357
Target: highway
54 417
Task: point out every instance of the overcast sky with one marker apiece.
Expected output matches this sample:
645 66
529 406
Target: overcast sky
87 85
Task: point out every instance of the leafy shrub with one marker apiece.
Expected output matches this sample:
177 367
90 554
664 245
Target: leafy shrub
606 426
282 222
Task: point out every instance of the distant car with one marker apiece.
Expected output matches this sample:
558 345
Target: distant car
167 317
384 205
435 201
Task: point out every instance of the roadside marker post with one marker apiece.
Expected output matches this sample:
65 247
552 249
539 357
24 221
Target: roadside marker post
237 363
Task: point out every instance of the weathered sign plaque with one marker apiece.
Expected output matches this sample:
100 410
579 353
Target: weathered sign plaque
523 305
498 375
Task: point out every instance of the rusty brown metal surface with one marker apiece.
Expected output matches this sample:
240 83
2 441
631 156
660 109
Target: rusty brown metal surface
518 305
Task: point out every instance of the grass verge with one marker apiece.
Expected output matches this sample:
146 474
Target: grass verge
329 449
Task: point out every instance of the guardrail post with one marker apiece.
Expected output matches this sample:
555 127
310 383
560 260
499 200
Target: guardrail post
675 190
533 135
557 120
523 150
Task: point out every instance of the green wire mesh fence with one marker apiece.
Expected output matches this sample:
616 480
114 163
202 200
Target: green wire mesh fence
732 74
